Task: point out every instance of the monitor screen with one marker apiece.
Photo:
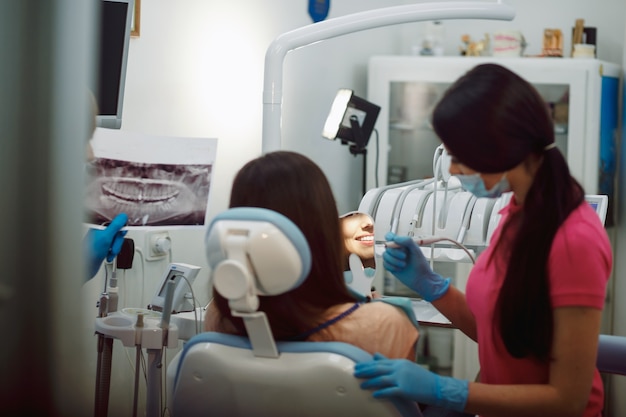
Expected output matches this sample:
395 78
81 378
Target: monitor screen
172 275
599 203
113 41
183 276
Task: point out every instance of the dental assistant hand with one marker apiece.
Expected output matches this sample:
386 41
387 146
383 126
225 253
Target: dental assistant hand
409 265
104 244
403 378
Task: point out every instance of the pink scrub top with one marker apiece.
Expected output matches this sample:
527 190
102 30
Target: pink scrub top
579 267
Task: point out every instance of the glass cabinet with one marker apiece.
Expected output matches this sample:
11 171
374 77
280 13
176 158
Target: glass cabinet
581 94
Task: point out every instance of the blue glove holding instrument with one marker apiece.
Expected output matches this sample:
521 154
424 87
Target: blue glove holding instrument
104 244
403 378
410 266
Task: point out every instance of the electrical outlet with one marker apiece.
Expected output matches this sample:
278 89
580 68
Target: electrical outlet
158 245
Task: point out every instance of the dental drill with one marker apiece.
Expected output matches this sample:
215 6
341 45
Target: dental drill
428 240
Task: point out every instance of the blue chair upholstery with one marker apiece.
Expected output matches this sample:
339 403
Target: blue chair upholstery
612 354
256 252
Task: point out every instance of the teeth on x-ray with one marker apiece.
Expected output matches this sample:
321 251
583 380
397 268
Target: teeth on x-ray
131 189
151 194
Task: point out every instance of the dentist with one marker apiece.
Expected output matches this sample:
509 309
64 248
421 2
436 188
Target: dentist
534 298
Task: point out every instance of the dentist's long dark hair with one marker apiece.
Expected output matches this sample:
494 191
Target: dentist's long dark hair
492 120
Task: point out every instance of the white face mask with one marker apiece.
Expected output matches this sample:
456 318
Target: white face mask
475 185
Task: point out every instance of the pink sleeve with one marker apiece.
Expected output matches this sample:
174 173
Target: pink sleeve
580 262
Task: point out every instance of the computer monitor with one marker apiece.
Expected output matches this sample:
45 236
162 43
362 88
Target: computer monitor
113 41
599 203
183 276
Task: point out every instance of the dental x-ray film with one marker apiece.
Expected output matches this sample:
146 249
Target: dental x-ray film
155 180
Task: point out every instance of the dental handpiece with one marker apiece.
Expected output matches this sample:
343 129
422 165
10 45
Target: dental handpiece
419 241
429 240
103 226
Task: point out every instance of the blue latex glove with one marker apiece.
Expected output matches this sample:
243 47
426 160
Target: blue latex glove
410 266
403 378
104 244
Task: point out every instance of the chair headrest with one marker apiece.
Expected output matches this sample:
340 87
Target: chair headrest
256 245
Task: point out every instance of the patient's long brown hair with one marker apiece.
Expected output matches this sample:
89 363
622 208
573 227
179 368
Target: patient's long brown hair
293 185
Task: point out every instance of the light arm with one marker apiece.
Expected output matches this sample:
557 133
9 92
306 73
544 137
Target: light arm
343 25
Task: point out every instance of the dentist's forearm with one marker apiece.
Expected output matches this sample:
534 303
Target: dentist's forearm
453 305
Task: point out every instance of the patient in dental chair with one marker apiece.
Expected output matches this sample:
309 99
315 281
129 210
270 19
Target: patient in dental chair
321 308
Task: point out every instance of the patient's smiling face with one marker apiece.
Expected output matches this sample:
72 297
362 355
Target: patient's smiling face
358 235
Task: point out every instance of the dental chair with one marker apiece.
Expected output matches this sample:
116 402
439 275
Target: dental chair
612 354
252 252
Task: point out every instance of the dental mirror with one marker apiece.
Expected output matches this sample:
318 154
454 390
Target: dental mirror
360 261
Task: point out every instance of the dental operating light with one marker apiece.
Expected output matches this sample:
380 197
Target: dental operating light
352 120
343 25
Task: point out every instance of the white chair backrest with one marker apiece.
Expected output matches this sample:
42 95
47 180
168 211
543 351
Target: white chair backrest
255 251
217 374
